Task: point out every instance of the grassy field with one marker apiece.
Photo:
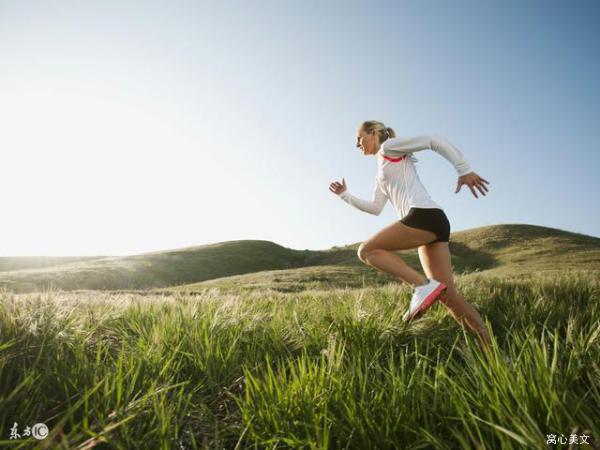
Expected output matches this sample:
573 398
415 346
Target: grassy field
248 344
322 368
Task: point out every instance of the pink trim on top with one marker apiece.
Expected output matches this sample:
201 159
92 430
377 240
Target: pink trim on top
389 158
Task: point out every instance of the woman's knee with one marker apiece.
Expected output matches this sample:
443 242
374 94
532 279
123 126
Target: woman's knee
364 250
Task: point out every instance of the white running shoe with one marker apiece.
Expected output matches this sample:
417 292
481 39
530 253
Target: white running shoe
423 297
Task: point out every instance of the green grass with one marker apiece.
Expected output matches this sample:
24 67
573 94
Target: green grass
238 266
331 368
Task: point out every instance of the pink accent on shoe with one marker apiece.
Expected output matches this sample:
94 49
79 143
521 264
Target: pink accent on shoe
430 300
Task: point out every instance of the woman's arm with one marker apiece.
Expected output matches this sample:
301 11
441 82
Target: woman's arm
395 147
374 206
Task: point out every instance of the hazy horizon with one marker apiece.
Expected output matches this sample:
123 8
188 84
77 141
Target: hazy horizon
220 242
131 128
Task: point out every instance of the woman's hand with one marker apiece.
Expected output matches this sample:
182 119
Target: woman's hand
472 180
338 188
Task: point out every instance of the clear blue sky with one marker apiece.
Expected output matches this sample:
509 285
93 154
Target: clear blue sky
137 126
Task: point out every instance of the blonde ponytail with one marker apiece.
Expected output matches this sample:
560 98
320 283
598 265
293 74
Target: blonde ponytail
384 132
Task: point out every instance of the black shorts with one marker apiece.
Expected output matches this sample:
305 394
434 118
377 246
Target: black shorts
430 219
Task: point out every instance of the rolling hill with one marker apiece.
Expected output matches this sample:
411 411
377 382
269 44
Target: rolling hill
511 249
10 263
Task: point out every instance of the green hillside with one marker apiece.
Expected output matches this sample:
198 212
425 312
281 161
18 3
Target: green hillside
514 250
156 269
524 248
10 263
511 249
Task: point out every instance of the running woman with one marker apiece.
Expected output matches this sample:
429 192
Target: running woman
422 223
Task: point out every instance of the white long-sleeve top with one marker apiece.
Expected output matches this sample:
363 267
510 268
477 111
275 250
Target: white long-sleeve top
397 178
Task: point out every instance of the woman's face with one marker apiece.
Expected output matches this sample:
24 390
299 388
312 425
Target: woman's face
367 142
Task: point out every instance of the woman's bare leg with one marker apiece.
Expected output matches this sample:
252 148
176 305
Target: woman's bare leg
435 259
378 251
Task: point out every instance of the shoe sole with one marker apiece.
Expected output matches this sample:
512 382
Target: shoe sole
430 300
